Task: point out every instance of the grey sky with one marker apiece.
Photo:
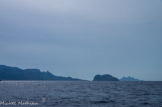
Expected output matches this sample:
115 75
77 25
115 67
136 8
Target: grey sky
82 38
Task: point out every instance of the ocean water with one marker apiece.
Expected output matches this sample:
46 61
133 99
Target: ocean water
80 94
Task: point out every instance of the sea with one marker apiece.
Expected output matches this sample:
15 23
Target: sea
80 94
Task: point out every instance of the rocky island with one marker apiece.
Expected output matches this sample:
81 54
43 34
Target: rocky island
105 77
129 78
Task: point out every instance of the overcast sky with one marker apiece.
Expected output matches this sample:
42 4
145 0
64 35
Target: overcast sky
82 38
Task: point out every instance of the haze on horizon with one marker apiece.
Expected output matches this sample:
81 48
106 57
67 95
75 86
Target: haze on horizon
82 38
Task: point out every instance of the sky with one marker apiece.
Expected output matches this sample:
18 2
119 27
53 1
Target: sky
82 38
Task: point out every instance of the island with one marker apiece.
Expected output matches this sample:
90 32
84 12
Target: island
105 77
129 78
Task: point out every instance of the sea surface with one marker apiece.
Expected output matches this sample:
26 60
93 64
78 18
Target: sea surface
80 94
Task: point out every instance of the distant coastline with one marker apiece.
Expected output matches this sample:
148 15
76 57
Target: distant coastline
15 73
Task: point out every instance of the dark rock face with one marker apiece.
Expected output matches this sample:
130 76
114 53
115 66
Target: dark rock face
105 77
14 73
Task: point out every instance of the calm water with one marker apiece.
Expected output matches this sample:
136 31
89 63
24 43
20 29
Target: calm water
80 94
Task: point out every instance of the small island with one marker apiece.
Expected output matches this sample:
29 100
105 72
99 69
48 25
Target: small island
105 77
129 78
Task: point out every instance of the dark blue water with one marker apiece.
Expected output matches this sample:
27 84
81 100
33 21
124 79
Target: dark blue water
80 94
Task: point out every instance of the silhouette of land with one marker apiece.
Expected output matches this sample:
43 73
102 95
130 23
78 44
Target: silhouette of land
129 78
15 73
105 77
